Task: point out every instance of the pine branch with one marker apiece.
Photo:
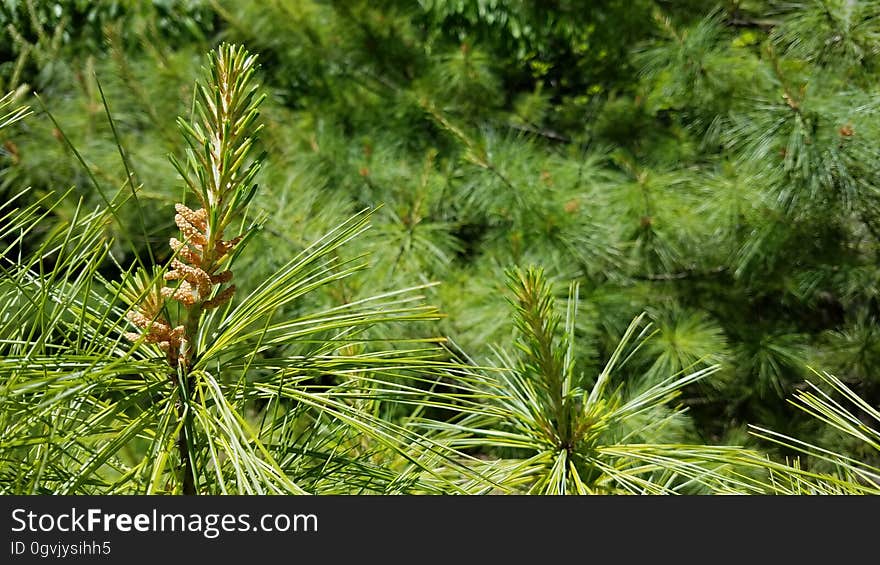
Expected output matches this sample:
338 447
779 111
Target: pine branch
220 175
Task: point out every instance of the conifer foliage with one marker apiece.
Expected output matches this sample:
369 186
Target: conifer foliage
477 246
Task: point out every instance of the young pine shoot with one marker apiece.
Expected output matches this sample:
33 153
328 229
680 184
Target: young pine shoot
219 173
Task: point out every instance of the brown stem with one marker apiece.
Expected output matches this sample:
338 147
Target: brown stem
183 446
186 385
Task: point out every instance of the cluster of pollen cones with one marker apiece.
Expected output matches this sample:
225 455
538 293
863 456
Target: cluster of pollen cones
195 267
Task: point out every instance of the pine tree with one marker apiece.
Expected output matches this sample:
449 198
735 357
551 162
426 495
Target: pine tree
711 167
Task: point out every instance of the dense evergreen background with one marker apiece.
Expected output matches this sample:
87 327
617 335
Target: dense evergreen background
714 165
